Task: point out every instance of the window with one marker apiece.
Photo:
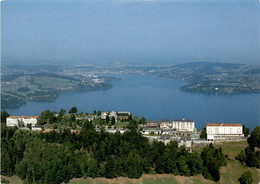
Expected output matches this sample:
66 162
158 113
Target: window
216 130
239 131
182 126
210 130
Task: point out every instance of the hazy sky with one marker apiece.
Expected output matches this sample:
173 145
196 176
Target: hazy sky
134 31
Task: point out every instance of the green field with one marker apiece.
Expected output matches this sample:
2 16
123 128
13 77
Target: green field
232 149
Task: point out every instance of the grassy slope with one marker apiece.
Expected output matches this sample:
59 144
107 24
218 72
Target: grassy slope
145 179
13 179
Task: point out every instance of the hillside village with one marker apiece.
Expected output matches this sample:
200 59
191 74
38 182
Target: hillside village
91 144
182 130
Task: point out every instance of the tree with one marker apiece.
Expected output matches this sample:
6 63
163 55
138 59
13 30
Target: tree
20 123
4 115
246 131
254 139
214 169
246 178
113 121
134 165
182 166
61 114
29 125
213 158
107 119
46 117
258 157
241 157
6 164
95 112
109 168
72 118
251 159
195 164
203 134
73 110
130 117
141 121
92 166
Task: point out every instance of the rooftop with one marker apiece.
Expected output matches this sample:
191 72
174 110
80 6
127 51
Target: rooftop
223 124
165 120
25 117
151 121
184 120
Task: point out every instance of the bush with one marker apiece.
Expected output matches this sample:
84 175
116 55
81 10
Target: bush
246 178
241 157
4 181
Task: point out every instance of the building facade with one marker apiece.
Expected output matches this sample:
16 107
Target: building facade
111 115
165 124
104 115
123 115
183 125
126 114
218 131
22 120
152 124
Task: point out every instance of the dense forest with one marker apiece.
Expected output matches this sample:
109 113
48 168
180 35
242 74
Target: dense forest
57 157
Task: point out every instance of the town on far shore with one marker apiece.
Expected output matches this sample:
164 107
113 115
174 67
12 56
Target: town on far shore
182 130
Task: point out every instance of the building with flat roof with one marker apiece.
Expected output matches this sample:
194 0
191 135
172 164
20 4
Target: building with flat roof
183 125
21 120
218 131
119 113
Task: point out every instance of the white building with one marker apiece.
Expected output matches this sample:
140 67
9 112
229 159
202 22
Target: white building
123 113
37 128
104 115
23 120
165 124
184 125
113 114
217 131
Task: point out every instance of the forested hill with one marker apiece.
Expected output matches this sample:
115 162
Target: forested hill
57 157
215 78
19 88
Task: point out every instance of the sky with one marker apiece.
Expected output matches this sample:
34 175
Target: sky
130 31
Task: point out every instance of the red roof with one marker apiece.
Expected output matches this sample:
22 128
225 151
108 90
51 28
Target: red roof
223 124
46 131
25 117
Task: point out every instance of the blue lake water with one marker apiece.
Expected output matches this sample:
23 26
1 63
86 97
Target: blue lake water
156 99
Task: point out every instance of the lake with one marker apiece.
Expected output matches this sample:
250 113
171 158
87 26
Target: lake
156 99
